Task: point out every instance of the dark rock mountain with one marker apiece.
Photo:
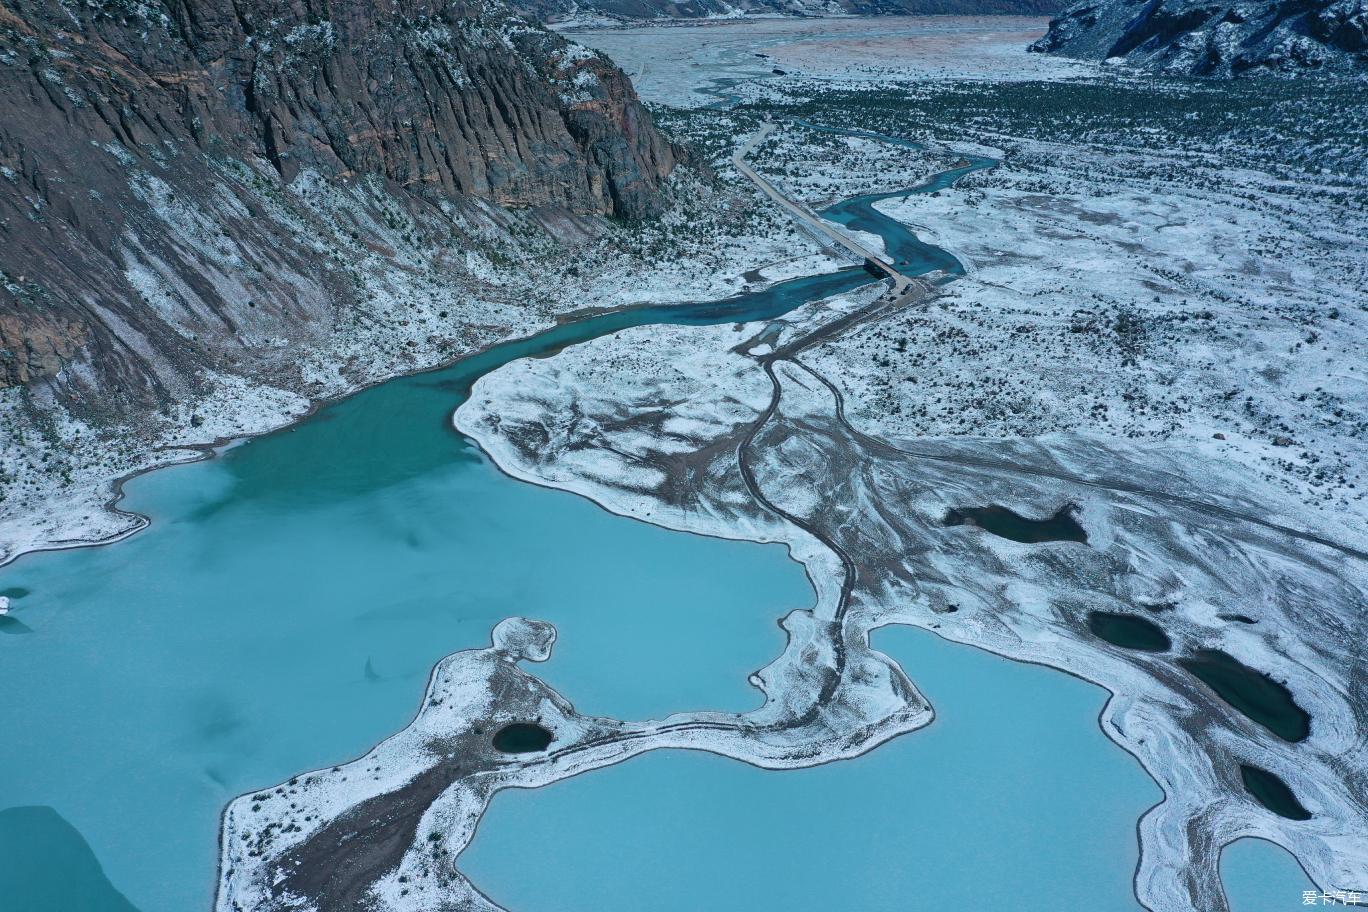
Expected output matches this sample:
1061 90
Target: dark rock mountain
156 159
1222 38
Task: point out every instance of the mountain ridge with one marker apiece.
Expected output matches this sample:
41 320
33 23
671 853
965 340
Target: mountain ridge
1220 39
156 162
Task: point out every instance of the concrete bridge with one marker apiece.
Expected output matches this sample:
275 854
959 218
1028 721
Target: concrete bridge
872 261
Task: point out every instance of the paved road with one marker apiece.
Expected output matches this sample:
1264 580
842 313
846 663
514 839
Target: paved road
810 218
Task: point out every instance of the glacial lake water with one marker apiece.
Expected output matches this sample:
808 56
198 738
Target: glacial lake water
1002 801
286 606
284 611
1262 877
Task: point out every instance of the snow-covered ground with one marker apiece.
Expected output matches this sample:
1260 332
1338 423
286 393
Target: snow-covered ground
686 65
1059 371
1129 311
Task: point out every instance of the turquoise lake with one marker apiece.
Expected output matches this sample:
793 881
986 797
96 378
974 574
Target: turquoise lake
1262 877
284 611
999 799
285 608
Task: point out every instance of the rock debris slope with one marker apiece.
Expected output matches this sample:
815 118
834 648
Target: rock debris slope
161 166
1195 38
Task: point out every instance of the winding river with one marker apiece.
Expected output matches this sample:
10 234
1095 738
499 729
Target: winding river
283 610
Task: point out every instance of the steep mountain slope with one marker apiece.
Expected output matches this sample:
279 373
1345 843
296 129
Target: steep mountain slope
1205 38
170 172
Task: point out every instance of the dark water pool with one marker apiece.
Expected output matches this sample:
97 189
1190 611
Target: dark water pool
522 738
1129 631
1004 523
1270 791
1253 693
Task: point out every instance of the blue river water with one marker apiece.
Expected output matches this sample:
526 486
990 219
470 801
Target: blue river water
285 607
908 252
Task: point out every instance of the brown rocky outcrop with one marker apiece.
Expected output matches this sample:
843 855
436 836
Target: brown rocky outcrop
35 346
147 150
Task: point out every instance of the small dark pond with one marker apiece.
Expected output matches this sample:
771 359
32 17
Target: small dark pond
1003 522
1253 693
1272 793
521 738
1129 631
1238 618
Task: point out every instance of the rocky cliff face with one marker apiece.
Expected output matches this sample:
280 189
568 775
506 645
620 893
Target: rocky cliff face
165 166
1195 38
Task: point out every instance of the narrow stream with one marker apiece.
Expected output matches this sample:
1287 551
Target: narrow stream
909 253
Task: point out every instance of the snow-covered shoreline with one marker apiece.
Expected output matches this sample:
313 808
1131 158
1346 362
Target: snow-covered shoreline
68 476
